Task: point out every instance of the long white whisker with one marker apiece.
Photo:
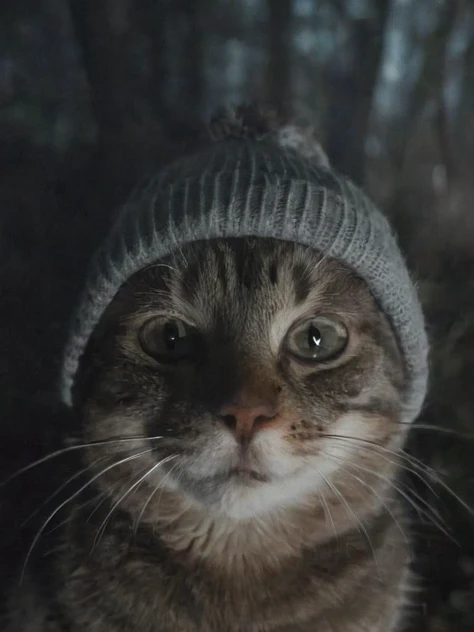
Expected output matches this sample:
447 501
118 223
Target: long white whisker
391 483
414 462
359 523
109 494
401 457
68 500
125 494
383 503
72 448
104 497
327 512
59 489
441 429
178 478
433 516
148 500
79 507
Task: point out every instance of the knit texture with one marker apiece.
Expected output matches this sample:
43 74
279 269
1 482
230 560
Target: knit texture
242 187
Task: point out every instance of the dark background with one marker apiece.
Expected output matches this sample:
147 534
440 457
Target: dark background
96 93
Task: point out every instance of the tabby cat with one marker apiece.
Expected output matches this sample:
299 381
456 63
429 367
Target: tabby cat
246 361
260 385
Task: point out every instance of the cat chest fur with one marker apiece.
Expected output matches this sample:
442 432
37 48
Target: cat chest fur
154 588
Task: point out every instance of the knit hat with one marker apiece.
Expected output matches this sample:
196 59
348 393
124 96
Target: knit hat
257 180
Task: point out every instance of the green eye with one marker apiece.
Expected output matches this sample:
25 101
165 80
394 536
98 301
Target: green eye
318 339
168 340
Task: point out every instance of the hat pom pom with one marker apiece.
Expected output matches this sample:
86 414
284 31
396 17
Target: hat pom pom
260 122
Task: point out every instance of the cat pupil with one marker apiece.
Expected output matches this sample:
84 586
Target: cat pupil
314 336
171 335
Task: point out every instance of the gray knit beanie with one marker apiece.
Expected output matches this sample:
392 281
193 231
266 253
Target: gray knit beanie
266 184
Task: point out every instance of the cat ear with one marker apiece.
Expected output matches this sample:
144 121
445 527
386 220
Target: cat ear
258 122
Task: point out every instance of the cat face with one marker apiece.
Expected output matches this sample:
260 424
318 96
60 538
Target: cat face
254 375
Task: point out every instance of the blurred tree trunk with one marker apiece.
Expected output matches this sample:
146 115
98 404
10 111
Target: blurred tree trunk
430 84
103 32
369 38
464 124
128 138
175 90
279 55
149 15
176 34
352 94
193 47
429 88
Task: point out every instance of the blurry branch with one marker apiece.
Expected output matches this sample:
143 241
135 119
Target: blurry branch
279 54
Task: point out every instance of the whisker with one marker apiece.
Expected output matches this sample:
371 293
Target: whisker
103 526
327 512
433 517
106 494
68 500
148 500
413 460
178 478
359 523
435 428
181 471
452 493
79 508
143 509
109 494
72 448
419 465
59 489
383 503
402 457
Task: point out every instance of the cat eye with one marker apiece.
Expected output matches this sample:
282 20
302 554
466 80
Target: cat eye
317 340
168 340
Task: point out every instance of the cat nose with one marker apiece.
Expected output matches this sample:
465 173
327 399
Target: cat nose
245 420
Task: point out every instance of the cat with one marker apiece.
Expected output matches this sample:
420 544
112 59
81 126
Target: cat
241 402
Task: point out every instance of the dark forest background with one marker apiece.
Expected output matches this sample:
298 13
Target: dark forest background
94 94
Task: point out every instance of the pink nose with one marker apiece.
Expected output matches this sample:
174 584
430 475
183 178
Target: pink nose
243 420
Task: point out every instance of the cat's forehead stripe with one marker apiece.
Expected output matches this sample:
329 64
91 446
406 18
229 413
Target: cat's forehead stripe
302 282
237 264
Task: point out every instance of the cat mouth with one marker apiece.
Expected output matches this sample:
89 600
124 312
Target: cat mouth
245 473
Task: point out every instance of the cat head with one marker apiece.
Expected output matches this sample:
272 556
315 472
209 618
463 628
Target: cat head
249 375
249 340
